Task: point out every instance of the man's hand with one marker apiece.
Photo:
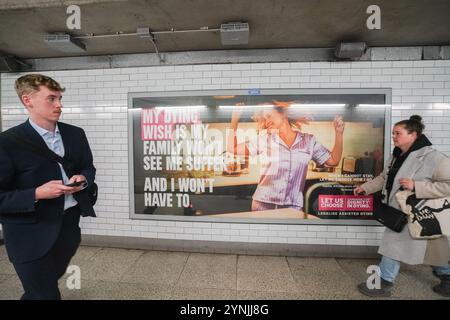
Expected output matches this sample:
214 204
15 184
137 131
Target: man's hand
78 178
52 189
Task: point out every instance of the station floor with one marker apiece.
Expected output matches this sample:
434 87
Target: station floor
110 273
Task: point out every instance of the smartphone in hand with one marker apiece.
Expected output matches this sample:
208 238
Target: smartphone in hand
75 184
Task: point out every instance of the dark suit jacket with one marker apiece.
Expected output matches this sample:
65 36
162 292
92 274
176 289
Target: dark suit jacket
31 228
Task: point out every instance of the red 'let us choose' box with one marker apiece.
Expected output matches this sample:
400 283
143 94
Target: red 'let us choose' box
345 203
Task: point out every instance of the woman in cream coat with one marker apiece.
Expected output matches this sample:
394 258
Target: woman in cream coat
414 165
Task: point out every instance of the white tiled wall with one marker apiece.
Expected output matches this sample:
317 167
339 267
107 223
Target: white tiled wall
97 101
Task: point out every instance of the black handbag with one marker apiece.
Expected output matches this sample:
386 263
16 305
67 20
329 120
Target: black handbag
390 217
92 190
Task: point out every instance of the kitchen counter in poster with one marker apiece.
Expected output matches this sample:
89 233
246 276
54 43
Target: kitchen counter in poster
253 178
242 179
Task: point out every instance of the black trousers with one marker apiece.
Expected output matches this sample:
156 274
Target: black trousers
40 277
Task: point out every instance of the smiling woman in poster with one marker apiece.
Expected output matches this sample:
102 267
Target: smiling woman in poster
286 152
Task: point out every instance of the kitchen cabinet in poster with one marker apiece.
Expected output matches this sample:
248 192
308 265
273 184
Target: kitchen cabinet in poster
280 154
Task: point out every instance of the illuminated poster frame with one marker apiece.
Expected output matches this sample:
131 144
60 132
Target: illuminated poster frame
366 114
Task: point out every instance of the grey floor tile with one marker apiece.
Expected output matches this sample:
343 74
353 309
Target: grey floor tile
4 277
109 264
213 271
422 277
414 286
85 253
83 258
104 290
270 295
157 267
11 289
421 272
264 273
357 268
322 278
6 267
3 254
307 265
202 294
333 286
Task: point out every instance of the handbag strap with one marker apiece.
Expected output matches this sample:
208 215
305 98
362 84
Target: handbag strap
45 152
389 169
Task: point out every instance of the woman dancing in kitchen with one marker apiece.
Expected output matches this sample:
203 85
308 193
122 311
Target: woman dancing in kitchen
285 152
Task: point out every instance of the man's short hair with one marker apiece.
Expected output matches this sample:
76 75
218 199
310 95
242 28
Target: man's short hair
30 83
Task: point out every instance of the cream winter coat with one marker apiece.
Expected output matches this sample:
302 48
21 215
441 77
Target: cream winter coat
430 171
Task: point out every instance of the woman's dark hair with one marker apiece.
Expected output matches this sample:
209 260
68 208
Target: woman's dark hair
413 124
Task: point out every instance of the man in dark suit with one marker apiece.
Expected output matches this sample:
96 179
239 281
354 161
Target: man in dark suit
39 213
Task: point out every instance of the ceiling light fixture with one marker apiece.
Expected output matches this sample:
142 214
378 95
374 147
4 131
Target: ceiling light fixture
258 106
317 105
350 50
234 33
170 108
65 43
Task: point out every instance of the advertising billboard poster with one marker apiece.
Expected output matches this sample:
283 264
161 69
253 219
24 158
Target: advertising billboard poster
256 154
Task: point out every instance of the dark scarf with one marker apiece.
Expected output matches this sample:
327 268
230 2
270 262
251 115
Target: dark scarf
421 141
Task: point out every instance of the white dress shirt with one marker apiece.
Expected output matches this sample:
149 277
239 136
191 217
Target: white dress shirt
54 142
